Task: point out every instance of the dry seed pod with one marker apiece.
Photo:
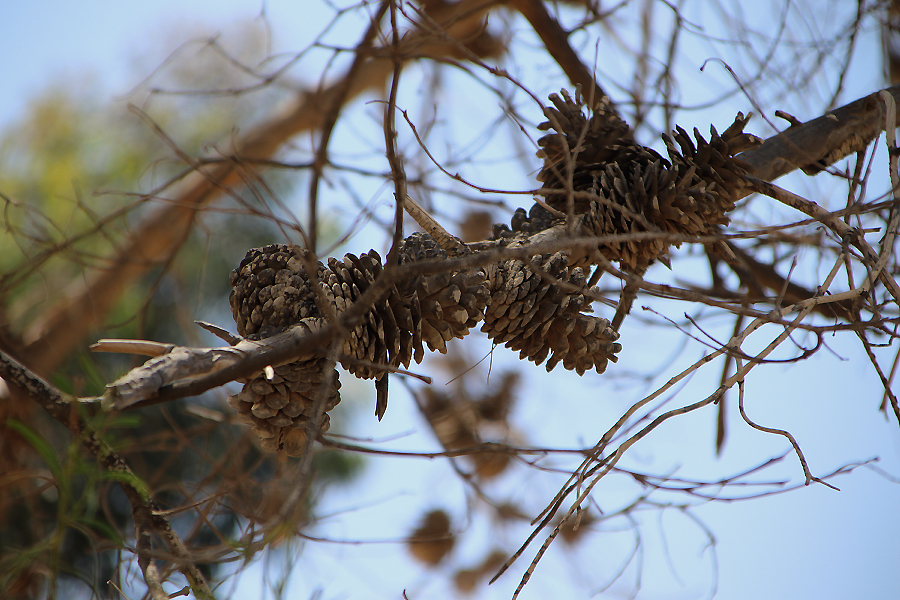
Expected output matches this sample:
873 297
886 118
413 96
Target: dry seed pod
431 540
475 226
465 580
454 422
272 290
633 189
542 321
588 139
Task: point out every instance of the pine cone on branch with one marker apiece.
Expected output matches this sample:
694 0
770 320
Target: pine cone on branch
278 408
588 140
539 318
622 187
272 291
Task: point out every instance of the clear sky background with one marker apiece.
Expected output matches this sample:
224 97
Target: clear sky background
811 543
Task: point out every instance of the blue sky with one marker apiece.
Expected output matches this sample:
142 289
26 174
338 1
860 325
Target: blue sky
813 542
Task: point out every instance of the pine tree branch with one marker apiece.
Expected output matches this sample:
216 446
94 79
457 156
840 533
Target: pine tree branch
147 515
819 143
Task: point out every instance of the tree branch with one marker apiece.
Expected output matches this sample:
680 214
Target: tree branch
819 143
144 508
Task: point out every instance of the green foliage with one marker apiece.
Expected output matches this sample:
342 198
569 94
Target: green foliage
62 518
337 466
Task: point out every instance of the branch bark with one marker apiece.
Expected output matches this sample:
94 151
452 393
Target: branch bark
819 143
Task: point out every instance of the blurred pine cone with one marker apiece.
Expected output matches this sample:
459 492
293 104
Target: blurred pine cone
466 580
432 539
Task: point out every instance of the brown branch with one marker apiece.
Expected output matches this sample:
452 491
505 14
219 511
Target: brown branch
890 39
556 41
766 275
821 142
143 535
85 303
595 467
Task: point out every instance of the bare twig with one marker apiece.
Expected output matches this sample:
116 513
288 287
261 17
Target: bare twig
840 228
141 347
594 468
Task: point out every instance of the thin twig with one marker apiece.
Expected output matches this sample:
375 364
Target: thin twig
331 112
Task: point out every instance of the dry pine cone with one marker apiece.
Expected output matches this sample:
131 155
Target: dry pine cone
540 319
622 187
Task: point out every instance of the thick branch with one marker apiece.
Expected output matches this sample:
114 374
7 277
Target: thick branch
817 144
556 41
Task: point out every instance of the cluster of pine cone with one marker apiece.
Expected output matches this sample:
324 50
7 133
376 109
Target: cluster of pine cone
272 290
592 168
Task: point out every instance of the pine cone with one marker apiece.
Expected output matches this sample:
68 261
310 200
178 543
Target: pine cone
459 422
626 188
715 160
535 220
278 409
540 319
588 140
451 303
454 421
271 291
